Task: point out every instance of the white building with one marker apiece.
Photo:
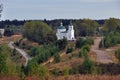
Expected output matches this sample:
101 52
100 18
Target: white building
62 32
2 31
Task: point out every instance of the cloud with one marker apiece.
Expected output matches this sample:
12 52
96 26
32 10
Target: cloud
99 0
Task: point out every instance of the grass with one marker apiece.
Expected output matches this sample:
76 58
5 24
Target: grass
70 77
112 53
87 77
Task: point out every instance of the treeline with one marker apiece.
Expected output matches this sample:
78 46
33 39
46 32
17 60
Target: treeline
49 22
16 23
83 27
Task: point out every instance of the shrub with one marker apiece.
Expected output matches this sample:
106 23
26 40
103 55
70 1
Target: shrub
55 72
61 44
89 67
66 72
117 54
80 53
57 58
43 71
89 41
109 40
79 43
87 47
84 51
69 50
74 70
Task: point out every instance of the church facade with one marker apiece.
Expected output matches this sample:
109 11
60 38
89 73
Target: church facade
62 32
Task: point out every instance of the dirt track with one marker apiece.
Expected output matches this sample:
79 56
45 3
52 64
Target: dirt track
101 55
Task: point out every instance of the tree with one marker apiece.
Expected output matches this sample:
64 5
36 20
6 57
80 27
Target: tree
38 31
88 66
111 24
61 44
79 43
32 69
85 27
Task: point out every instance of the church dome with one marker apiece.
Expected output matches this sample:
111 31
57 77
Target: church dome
61 26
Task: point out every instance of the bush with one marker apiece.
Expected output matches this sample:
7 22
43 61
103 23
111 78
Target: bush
43 71
61 44
84 51
88 66
55 72
89 41
74 70
109 40
79 43
57 58
66 72
69 50
117 54
87 47
80 53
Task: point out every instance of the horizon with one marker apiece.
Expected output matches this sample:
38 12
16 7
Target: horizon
60 9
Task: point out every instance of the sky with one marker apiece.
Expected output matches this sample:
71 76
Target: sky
60 9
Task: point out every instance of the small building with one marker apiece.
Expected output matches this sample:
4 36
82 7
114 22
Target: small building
62 32
2 32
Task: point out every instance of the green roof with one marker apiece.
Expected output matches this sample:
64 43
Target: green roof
61 27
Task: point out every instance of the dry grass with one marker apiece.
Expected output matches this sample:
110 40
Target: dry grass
71 77
92 56
87 77
67 60
111 52
29 43
78 77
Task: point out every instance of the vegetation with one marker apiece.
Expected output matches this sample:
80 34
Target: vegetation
33 69
110 25
50 47
69 50
38 31
117 54
81 42
56 58
7 67
61 44
109 40
85 27
3 65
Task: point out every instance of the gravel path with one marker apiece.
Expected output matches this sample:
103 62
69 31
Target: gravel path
101 55
22 52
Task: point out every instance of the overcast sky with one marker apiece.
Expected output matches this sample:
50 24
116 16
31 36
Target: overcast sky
63 9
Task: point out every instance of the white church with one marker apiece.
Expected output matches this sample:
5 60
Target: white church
62 32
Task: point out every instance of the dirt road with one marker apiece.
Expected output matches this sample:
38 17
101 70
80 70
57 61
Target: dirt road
101 55
22 52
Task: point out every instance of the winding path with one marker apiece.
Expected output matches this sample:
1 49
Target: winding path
22 52
101 55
